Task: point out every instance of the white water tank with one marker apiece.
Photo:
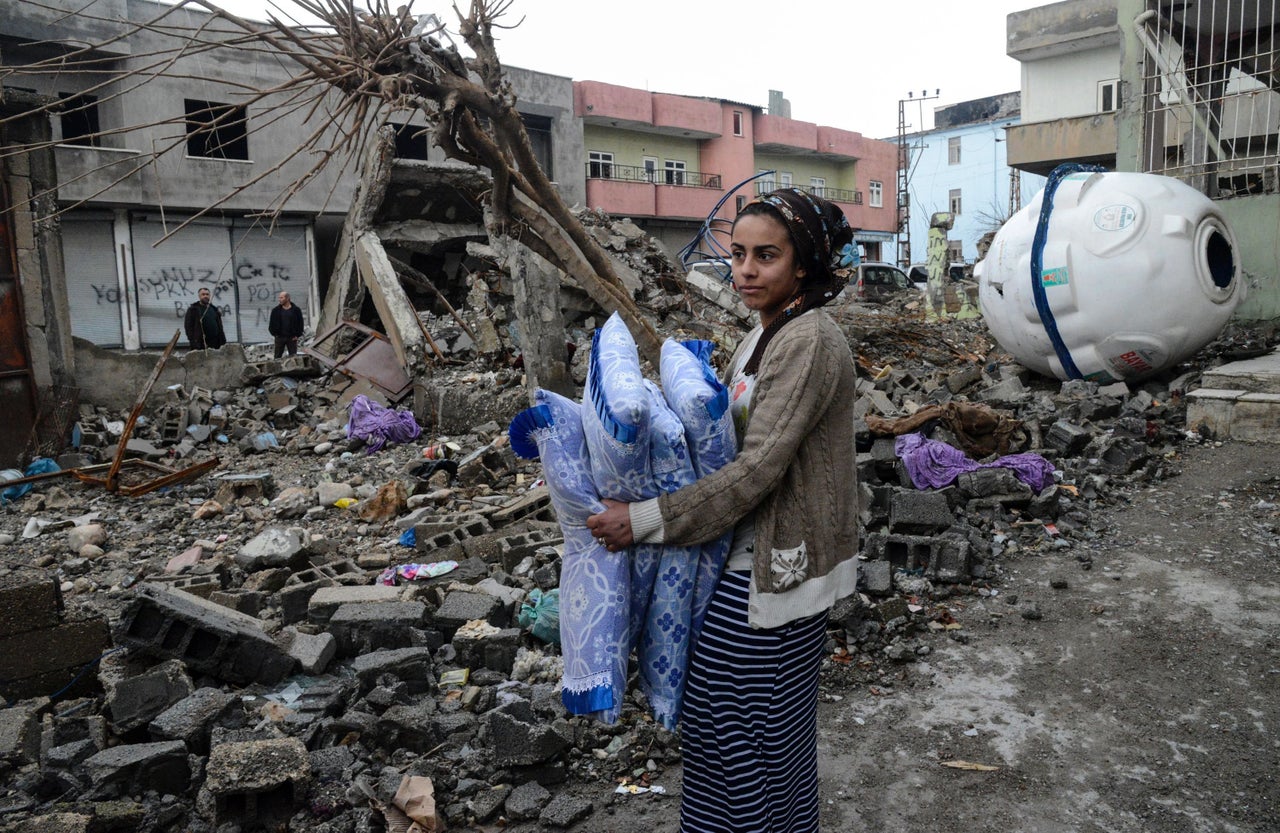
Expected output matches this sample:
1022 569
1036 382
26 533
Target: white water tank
1138 272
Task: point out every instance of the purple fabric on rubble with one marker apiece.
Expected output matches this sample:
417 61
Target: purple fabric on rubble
377 425
933 464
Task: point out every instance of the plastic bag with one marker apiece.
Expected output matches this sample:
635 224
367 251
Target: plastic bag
542 617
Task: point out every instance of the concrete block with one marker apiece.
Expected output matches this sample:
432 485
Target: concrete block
326 600
924 513
40 662
526 801
518 742
312 651
986 483
565 810
136 700
371 626
460 607
263 780
140 767
515 548
273 547
877 577
252 485
1067 438
404 663
535 503
495 651
191 719
20 735
210 639
28 603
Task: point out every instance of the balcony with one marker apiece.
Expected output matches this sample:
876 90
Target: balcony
642 192
610 105
1039 147
833 194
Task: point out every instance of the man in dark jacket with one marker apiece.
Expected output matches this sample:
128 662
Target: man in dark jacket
203 324
285 325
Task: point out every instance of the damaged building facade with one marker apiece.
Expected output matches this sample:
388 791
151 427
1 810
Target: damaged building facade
1183 90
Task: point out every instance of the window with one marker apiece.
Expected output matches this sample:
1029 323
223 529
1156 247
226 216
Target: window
955 254
784 179
818 185
650 169
764 184
599 165
875 193
78 118
411 141
954 200
674 171
1109 95
217 131
739 203
953 150
737 122
538 129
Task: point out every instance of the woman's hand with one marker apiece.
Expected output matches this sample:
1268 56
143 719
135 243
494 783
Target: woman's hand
612 527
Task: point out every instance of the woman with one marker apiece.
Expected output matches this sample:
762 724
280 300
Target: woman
749 722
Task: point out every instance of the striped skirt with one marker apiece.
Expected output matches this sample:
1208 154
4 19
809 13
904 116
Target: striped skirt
749 729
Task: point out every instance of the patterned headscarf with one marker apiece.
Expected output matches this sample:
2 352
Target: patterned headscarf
824 246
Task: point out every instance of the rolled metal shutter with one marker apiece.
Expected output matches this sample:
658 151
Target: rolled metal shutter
93 283
170 275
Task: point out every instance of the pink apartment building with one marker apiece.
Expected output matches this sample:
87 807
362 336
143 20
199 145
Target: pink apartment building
665 161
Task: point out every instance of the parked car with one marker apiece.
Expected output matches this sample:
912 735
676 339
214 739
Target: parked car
877 281
919 273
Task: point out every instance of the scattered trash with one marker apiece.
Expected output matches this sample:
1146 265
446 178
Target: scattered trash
411 572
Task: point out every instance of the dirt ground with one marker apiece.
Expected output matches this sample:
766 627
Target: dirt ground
1144 699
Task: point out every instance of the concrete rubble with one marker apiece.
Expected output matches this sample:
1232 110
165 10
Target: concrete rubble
221 654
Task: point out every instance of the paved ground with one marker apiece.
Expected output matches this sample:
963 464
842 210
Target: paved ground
1146 699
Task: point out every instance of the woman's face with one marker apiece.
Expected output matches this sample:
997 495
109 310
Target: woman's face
764 265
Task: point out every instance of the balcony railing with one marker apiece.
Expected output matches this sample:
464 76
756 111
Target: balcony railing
659 176
764 186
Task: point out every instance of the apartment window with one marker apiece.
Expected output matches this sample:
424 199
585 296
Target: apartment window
764 184
538 129
674 171
78 119
651 168
217 131
739 203
1109 95
784 179
955 251
875 193
818 185
737 123
953 150
954 200
411 141
599 165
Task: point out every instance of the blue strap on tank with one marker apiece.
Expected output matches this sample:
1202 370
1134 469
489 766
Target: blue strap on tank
1037 265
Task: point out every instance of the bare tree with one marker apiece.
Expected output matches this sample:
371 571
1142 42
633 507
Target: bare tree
352 69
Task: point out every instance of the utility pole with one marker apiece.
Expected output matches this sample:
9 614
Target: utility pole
904 175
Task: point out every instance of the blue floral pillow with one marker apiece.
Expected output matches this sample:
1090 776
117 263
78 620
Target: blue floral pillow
615 416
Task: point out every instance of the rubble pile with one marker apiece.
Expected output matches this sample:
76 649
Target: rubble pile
317 637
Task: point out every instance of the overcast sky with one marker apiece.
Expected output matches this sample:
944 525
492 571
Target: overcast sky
841 63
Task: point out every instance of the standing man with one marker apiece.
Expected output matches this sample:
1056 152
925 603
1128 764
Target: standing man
203 324
285 325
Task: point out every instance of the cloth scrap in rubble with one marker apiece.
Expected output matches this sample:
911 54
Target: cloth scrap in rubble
933 464
377 425
979 430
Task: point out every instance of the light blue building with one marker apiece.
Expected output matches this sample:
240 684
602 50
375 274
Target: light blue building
959 167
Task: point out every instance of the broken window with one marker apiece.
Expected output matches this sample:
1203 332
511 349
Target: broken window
412 141
953 150
216 131
875 193
599 165
1211 95
539 130
78 120
953 200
